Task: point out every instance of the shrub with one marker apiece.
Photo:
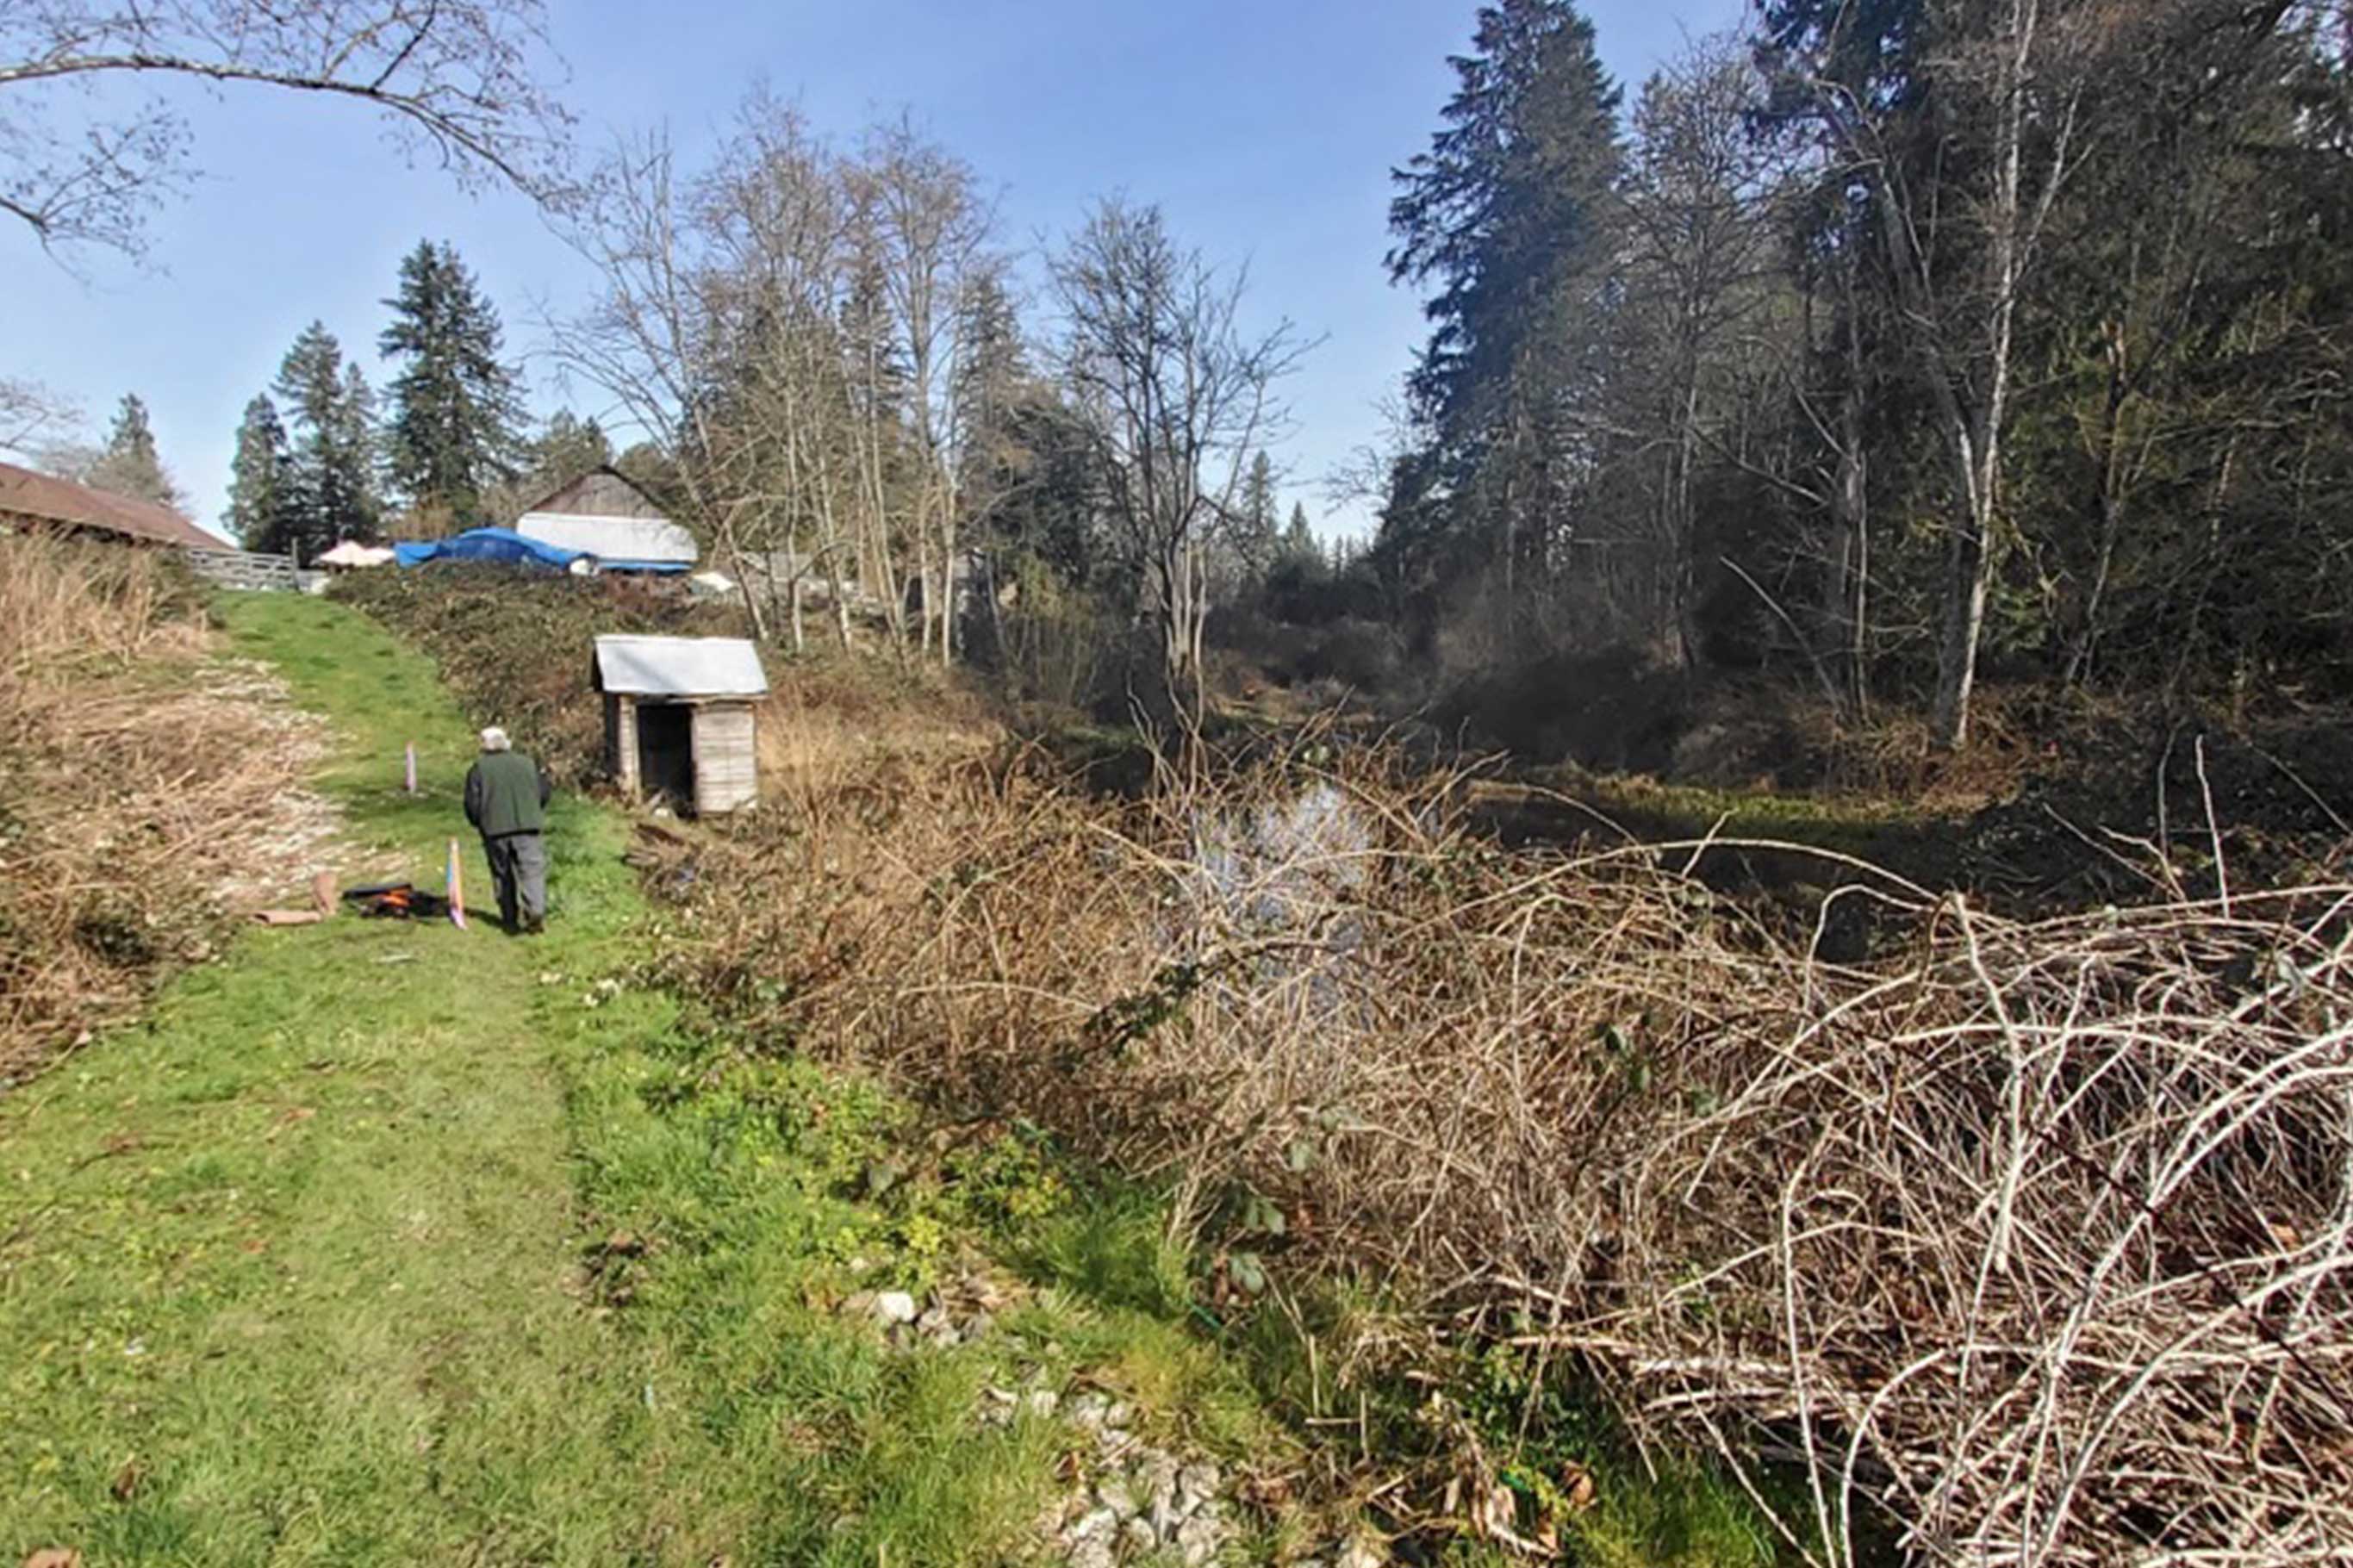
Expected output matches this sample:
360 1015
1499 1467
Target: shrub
2035 1235
516 646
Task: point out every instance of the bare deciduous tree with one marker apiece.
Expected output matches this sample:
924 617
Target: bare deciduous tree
463 81
931 237
787 327
1176 396
652 340
774 213
31 414
1698 260
2019 71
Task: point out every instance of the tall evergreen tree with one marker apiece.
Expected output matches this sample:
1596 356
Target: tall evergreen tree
332 489
455 407
1256 533
260 515
565 447
128 465
1298 538
994 383
1507 214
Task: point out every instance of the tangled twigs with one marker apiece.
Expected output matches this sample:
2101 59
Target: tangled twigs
144 786
2032 1239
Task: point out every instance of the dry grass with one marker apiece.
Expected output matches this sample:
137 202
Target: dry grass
832 719
144 788
2036 1235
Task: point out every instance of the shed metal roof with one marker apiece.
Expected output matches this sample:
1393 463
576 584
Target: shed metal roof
612 538
679 666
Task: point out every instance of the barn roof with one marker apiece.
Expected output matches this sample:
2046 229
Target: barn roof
612 539
679 666
25 493
602 491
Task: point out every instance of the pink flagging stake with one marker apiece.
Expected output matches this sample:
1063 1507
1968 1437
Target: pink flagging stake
454 879
412 767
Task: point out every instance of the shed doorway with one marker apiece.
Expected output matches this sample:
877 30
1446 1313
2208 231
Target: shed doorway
665 752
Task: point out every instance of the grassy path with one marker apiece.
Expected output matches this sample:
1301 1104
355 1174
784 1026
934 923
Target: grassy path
288 1274
317 1265
294 1272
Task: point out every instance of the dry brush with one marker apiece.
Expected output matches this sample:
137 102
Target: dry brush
2034 1236
144 787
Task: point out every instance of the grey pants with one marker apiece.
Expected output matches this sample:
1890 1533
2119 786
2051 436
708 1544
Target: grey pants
518 873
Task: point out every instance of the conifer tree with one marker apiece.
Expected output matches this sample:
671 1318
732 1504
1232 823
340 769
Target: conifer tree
1256 534
259 514
129 464
455 407
1507 215
566 447
332 489
1298 538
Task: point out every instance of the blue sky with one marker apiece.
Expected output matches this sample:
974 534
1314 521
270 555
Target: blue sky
1265 131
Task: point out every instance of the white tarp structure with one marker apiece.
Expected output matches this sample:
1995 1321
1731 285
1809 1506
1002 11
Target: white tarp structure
351 552
679 666
653 540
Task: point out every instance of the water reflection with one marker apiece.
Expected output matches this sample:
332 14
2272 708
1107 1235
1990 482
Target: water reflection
1280 867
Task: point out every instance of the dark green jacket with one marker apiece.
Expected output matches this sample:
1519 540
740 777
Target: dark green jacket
506 793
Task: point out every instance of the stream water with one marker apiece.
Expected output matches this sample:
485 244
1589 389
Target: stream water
1274 874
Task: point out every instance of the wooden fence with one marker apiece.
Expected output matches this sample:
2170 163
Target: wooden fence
246 569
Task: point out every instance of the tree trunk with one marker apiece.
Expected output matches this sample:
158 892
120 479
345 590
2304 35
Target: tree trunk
1970 568
1851 509
2110 503
744 585
1969 576
1847 575
1683 586
923 583
2216 504
948 606
830 544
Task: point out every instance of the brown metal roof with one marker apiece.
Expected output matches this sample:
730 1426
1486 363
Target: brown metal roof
24 493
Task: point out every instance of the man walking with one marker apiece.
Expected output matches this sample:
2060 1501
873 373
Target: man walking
506 800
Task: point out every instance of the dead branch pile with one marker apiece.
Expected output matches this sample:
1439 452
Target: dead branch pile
142 786
2037 1236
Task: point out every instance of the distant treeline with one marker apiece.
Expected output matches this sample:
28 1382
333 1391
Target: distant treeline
1879 348
450 451
1890 344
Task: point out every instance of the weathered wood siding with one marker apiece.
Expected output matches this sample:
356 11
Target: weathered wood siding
621 742
726 758
599 493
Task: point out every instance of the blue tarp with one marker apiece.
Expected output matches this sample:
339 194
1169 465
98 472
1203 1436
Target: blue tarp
487 544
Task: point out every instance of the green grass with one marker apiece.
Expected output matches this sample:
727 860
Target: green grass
295 1271
311 1264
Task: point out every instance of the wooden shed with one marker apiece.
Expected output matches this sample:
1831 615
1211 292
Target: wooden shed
680 718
